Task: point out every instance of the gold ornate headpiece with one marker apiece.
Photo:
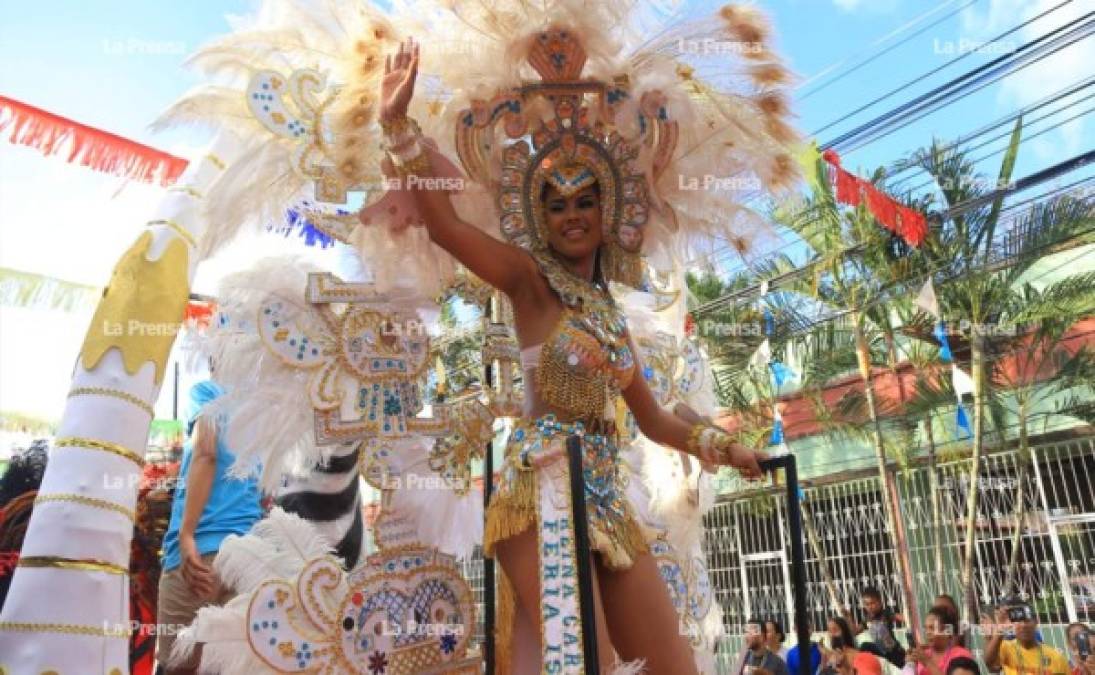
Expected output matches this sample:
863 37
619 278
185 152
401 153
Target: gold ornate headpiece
570 178
569 151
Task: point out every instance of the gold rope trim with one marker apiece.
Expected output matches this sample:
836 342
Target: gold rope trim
57 562
116 393
69 628
216 161
185 189
177 229
105 446
87 501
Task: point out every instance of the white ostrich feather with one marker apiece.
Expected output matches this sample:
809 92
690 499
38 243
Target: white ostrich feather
272 420
442 519
277 547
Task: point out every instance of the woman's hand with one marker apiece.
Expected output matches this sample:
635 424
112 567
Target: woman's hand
918 655
744 460
397 86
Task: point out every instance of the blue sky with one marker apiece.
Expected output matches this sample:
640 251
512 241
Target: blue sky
115 64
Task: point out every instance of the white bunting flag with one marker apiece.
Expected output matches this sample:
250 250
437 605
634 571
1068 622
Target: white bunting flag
762 356
963 383
926 300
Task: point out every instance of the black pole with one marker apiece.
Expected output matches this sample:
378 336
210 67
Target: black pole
488 564
798 555
581 545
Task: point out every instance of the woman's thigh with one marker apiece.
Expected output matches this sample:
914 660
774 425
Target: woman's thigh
642 620
519 557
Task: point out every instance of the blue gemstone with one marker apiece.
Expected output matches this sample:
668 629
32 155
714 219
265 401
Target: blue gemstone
255 626
270 604
273 641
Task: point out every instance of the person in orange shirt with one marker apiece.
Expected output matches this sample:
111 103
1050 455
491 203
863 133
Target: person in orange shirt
1023 655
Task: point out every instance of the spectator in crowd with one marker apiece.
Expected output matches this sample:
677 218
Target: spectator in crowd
879 623
941 632
1023 655
774 637
793 655
208 505
946 600
18 489
25 470
842 657
1081 648
760 659
963 665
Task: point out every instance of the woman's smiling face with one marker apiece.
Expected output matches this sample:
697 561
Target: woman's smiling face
574 222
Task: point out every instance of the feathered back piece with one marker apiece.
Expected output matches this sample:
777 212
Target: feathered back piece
297 83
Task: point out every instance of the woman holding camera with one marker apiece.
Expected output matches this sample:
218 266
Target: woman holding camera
942 630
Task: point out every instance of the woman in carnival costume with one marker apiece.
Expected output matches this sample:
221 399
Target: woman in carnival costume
598 137
574 204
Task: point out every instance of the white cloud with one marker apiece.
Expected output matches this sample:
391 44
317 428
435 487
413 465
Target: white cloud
1037 81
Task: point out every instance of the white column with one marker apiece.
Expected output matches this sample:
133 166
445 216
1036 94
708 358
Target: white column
68 607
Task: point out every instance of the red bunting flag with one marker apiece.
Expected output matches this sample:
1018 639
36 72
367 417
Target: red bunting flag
94 148
908 223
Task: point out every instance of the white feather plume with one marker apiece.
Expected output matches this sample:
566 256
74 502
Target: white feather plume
442 519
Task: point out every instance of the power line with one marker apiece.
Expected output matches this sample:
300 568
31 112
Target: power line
909 163
958 209
969 83
934 70
878 55
720 254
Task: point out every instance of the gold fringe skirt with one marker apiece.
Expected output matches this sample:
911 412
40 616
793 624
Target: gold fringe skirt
614 533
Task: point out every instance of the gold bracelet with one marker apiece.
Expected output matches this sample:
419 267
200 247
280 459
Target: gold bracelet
700 441
399 130
419 165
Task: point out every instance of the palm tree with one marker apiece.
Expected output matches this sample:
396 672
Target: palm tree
980 280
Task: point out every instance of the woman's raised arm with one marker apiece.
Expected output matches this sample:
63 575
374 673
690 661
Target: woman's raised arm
506 267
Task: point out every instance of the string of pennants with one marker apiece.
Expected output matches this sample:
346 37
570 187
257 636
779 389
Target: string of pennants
906 222
960 379
764 360
102 151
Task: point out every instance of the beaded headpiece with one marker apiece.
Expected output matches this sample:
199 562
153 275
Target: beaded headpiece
577 145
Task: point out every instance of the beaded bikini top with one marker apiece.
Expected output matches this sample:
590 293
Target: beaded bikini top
586 361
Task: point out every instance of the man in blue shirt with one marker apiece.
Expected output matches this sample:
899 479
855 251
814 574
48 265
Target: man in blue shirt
793 655
208 506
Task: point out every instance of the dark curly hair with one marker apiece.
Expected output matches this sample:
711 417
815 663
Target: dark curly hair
25 471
